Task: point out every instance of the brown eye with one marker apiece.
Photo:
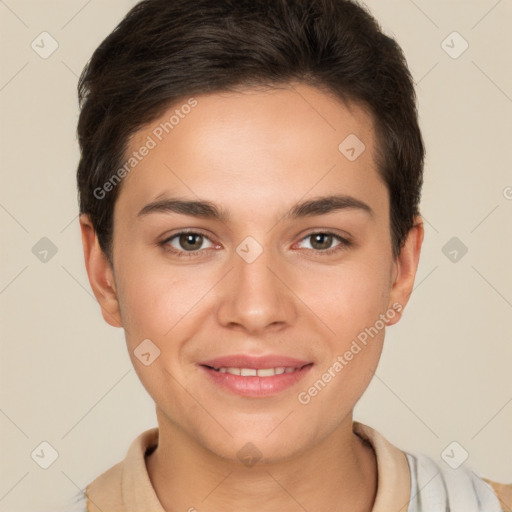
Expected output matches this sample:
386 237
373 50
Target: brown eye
187 243
321 241
190 241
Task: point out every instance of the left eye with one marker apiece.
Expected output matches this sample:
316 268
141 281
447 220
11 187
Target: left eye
323 241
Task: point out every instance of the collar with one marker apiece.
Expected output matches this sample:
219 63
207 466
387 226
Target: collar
394 476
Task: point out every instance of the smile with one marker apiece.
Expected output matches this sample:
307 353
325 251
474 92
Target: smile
256 372
255 382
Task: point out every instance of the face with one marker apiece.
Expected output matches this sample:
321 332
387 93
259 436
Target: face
247 232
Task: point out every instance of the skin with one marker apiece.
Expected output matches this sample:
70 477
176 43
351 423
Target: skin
255 153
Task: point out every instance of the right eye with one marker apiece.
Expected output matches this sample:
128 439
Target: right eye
186 243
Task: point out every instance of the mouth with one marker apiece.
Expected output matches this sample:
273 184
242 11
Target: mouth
259 379
257 372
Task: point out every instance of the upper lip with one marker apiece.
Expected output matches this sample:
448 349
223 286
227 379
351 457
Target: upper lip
257 362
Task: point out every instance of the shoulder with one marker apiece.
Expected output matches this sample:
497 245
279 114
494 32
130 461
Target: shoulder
435 487
503 492
105 487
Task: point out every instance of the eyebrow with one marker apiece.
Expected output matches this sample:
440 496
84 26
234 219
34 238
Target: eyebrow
208 210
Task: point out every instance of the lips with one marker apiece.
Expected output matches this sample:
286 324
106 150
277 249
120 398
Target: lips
253 376
248 385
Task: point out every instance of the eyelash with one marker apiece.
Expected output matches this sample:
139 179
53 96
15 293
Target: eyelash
192 254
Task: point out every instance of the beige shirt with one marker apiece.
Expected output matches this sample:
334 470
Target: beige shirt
405 483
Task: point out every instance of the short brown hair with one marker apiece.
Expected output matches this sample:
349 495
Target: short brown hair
167 50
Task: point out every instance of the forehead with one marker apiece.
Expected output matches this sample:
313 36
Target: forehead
271 142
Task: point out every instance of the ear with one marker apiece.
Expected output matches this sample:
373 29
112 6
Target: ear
100 272
405 266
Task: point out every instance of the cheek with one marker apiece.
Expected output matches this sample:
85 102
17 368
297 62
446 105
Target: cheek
350 297
155 299
352 302
353 309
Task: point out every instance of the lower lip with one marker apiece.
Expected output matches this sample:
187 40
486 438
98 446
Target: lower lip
255 386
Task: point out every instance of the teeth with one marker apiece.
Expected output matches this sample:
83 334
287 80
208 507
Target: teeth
253 372
267 372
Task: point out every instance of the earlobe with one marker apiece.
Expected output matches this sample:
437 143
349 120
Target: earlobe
406 265
99 271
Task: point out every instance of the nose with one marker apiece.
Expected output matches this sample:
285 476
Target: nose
255 296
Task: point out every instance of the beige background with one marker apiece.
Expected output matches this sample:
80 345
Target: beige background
66 377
